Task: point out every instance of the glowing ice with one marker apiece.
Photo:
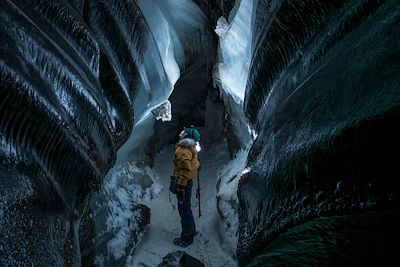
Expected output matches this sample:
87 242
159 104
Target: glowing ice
235 49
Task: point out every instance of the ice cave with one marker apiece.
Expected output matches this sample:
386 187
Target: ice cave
297 103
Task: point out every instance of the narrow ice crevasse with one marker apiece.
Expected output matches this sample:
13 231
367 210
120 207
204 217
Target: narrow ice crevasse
216 242
160 69
211 245
164 46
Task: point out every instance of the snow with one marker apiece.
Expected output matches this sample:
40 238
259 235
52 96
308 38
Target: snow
210 246
117 223
228 179
122 192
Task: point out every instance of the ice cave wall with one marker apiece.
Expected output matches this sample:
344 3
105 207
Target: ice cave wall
323 95
77 76
69 74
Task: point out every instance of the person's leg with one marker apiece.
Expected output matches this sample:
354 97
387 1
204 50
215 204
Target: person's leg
191 225
185 211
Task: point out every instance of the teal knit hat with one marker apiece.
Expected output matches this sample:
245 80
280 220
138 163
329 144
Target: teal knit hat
192 133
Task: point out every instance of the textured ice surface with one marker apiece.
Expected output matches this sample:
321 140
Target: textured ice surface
235 50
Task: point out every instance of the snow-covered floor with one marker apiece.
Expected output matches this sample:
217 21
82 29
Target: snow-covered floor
210 245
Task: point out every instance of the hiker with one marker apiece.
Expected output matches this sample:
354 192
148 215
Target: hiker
186 165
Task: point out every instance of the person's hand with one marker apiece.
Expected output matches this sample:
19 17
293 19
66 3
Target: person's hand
180 192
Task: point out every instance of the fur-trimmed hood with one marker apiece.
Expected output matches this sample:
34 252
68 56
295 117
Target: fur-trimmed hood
187 142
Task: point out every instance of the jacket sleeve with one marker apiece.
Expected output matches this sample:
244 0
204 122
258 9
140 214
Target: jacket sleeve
185 171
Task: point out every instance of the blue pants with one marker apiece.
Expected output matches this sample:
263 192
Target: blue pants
185 211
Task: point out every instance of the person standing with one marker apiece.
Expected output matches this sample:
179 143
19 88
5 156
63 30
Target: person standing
186 165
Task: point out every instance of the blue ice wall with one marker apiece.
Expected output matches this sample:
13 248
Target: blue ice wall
76 76
68 77
324 96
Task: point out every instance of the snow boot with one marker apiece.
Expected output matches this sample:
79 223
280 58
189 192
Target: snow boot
183 242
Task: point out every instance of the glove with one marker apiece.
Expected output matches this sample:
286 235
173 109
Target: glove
180 192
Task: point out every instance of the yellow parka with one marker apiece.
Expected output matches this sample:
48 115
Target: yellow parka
185 161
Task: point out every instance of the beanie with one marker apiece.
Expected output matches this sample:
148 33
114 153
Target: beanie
192 133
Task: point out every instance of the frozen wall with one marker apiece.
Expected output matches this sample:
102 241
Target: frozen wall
170 25
323 95
75 78
231 71
235 49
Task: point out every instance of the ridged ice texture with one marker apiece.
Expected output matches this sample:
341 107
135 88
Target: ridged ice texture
68 79
300 34
323 94
121 32
171 46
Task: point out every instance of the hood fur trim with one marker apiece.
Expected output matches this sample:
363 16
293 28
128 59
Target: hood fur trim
187 142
